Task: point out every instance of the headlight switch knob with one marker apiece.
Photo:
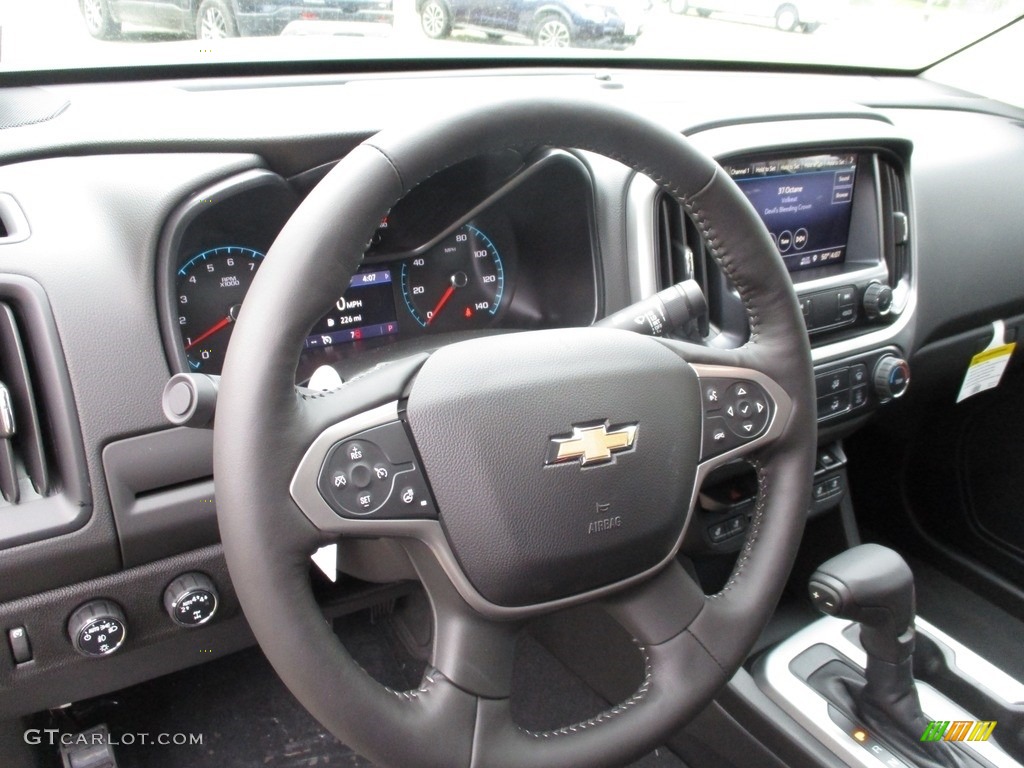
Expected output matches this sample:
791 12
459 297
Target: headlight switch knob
97 628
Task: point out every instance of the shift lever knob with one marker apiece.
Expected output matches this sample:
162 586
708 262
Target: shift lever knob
874 586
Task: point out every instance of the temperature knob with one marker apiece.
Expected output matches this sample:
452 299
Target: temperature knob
97 628
892 377
191 599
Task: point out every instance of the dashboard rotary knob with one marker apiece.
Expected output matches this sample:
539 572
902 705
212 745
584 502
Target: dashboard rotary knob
877 300
191 599
892 377
97 628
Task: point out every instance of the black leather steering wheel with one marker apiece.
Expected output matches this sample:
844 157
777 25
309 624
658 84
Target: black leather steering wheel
509 531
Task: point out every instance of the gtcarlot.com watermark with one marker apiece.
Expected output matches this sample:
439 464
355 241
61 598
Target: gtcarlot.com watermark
54 737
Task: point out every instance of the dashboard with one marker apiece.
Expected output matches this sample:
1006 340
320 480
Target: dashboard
126 252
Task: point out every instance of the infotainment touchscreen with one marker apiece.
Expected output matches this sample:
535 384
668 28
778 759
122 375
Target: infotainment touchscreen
805 202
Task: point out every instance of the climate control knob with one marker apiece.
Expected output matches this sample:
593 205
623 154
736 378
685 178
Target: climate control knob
891 378
97 628
191 599
877 300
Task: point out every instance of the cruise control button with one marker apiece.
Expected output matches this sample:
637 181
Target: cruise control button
340 480
355 452
381 472
365 500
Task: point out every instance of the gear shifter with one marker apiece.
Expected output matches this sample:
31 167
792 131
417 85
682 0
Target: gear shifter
874 586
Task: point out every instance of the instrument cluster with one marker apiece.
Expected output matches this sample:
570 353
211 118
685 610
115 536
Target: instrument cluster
495 243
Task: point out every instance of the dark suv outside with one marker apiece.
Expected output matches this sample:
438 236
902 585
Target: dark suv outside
209 19
554 23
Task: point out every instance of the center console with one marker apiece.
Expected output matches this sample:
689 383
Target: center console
879 687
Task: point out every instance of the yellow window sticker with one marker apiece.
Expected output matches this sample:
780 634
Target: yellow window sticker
986 368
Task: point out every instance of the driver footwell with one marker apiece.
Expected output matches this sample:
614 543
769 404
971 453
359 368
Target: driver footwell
245 717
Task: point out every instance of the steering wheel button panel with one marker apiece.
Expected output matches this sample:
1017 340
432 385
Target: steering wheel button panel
735 413
360 476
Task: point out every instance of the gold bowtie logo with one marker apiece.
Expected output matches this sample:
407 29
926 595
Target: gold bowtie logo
593 444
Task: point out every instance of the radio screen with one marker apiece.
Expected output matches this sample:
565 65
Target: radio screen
366 311
805 202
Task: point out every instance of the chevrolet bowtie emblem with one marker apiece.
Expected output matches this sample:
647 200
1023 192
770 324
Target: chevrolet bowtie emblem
592 444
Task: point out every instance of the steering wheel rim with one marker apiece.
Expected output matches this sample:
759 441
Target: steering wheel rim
691 643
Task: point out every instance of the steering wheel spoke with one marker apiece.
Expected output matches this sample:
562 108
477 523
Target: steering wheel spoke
472 651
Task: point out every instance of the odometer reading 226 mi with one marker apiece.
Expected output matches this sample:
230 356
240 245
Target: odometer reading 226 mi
456 284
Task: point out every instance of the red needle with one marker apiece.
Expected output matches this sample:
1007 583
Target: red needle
220 325
444 299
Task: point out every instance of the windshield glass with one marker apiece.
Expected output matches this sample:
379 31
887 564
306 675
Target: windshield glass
882 34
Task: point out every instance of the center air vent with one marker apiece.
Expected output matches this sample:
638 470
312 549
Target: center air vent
895 223
44 489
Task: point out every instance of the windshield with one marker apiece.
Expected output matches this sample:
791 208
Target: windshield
875 34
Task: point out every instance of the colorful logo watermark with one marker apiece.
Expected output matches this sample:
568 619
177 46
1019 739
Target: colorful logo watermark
958 730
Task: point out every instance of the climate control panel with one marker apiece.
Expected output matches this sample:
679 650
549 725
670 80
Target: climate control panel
851 387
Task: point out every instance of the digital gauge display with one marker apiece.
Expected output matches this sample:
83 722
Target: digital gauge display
454 283
366 311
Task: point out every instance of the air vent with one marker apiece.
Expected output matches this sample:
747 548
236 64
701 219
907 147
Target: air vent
896 223
23 462
680 249
44 488
13 224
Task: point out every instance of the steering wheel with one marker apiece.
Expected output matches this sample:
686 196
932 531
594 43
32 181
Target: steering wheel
520 473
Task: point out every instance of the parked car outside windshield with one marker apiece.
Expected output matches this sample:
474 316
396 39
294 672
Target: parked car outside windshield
786 15
549 23
213 19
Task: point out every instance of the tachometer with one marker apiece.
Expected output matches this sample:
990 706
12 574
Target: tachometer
210 289
457 284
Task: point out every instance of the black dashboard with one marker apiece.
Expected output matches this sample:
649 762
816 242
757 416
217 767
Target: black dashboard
126 252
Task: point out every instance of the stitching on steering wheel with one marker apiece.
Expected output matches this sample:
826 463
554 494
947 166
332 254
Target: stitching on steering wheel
755 527
608 714
425 687
719 254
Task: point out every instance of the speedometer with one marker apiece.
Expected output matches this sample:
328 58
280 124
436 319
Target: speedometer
210 289
457 284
